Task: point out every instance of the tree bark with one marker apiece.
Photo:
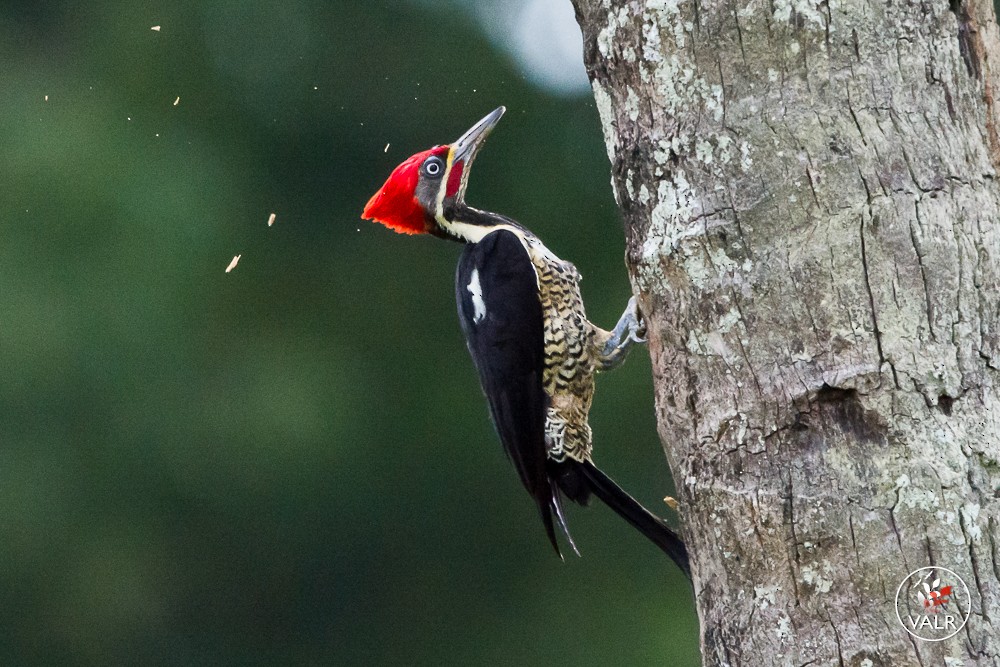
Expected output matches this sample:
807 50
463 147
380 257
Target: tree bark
810 198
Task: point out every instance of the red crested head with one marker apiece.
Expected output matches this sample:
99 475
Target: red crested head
396 204
417 194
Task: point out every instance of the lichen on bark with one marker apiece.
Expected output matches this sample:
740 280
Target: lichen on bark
811 204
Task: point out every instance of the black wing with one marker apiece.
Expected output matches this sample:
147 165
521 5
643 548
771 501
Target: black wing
501 315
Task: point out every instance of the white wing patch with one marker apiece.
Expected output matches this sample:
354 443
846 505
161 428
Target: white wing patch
478 305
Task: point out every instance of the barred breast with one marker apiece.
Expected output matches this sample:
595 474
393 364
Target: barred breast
568 378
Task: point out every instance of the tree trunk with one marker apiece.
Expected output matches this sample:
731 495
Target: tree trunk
810 198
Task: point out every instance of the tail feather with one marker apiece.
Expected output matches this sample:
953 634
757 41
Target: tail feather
628 508
547 506
552 507
556 506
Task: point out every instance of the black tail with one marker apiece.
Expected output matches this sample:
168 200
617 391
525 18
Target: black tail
628 508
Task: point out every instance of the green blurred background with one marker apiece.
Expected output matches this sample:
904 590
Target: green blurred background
293 463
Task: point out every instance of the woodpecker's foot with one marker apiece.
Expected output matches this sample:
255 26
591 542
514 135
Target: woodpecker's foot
630 329
636 325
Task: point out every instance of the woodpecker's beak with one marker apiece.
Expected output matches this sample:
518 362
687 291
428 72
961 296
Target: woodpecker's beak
464 150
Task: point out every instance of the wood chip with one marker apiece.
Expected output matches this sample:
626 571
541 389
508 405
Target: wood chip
46 98
156 28
672 503
386 148
270 219
232 264
177 101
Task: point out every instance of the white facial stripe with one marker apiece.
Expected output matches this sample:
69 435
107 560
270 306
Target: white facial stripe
439 202
478 305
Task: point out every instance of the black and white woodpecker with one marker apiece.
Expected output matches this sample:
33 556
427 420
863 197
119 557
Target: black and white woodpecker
524 322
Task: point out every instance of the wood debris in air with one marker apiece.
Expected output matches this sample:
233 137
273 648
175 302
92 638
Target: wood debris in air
232 264
177 101
156 28
270 219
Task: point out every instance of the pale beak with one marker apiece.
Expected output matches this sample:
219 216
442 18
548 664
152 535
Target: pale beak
464 150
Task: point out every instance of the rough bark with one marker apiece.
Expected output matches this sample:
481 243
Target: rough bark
810 197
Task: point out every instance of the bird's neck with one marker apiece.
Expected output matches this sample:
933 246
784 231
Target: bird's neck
469 225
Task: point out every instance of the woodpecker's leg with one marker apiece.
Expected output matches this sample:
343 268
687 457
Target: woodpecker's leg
630 329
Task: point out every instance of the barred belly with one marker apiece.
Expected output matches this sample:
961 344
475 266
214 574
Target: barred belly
568 378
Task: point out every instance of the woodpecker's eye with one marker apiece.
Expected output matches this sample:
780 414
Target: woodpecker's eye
433 166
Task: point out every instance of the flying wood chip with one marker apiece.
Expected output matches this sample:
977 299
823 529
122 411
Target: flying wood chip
232 264
270 219
156 28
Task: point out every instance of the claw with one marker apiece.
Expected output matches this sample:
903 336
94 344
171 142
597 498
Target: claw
637 327
630 329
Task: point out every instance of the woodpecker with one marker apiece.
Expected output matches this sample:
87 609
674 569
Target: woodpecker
524 322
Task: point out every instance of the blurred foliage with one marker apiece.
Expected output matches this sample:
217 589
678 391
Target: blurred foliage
291 463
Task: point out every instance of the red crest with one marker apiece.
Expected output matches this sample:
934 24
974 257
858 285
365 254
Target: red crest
396 205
